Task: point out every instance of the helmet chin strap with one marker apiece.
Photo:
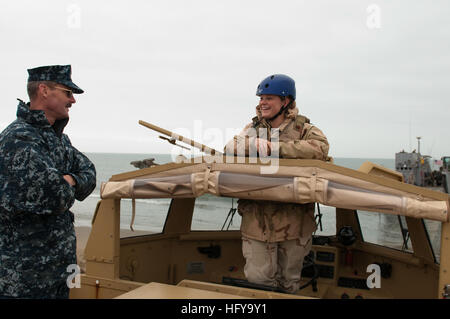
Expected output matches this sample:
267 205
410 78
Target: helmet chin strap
279 112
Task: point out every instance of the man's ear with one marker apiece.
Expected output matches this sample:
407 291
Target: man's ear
43 90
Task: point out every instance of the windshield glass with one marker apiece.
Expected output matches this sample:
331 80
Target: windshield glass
215 213
326 225
150 216
434 229
386 230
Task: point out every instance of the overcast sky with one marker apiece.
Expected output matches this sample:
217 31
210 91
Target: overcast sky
372 75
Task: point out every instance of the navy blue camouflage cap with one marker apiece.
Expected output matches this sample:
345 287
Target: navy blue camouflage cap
55 73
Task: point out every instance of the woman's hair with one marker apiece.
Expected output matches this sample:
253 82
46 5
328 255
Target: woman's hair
292 104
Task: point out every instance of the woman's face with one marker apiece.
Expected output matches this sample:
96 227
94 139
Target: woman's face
270 105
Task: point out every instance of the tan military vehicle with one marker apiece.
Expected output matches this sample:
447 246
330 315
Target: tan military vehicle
388 239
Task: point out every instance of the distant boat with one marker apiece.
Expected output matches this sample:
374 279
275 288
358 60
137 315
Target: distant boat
422 170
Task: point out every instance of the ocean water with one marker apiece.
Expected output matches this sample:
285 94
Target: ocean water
211 212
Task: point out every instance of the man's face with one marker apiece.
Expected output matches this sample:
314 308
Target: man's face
59 100
270 105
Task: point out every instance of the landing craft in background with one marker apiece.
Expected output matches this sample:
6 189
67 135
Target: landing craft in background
421 170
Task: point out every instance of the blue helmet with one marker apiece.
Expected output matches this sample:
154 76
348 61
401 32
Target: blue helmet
277 84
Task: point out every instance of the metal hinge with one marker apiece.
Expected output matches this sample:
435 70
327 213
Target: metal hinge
446 293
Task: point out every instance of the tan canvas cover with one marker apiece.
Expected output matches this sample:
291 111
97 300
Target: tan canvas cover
289 184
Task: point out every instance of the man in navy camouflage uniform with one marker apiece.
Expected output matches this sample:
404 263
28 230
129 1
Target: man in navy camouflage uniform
41 175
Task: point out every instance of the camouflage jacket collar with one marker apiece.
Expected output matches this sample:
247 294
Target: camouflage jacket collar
37 118
33 117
